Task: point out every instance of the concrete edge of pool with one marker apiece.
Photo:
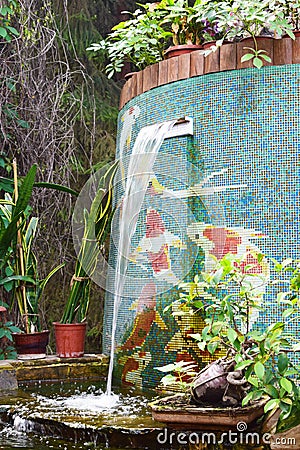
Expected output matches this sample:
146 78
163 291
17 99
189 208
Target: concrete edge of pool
89 367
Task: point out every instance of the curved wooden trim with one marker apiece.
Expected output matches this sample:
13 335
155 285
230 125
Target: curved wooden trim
228 57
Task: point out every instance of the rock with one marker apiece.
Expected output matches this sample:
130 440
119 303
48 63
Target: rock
210 383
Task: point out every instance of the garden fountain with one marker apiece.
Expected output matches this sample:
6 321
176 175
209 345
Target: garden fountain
246 140
136 182
71 413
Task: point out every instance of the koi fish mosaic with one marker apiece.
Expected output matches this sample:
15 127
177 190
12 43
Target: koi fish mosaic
231 186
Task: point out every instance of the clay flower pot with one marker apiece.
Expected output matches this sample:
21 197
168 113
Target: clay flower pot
129 75
69 339
178 50
31 345
208 44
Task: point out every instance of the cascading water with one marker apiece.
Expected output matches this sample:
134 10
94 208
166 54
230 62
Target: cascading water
140 167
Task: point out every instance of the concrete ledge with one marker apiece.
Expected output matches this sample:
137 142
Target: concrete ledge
8 377
89 367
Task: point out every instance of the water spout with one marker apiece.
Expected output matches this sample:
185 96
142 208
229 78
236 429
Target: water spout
140 167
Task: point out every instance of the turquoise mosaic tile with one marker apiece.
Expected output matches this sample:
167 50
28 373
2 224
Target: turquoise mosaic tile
246 146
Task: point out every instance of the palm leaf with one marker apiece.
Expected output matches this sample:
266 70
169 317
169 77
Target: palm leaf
56 187
25 191
16 278
96 227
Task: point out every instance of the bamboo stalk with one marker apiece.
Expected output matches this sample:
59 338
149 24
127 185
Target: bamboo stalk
20 249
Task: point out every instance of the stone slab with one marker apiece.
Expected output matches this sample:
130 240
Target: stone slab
89 367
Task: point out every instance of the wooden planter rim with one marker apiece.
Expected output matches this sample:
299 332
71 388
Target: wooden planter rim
227 57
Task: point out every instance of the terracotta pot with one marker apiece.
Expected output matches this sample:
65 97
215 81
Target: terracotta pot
69 339
249 41
296 33
129 75
208 44
178 50
31 345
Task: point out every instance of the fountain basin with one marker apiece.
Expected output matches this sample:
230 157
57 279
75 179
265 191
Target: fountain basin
71 412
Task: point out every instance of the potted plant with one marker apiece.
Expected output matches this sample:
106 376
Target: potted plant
197 26
140 40
251 20
291 10
147 37
19 266
256 364
158 30
182 20
96 218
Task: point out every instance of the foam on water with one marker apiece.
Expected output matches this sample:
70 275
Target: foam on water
92 402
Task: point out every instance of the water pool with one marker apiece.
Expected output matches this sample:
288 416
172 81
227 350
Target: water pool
74 416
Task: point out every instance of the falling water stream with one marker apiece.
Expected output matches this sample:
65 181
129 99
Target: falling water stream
140 167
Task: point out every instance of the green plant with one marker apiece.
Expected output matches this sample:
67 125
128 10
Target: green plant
252 18
7 350
179 375
18 263
191 24
144 38
97 222
139 40
291 10
226 297
181 20
6 13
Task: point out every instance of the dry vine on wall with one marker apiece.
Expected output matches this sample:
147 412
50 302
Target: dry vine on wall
57 110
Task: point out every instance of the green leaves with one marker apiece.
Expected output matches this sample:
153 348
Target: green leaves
232 335
259 370
213 344
283 363
9 233
183 374
96 218
7 329
140 40
56 187
6 30
271 405
258 57
286 384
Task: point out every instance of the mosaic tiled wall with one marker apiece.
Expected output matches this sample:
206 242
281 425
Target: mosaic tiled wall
243 163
